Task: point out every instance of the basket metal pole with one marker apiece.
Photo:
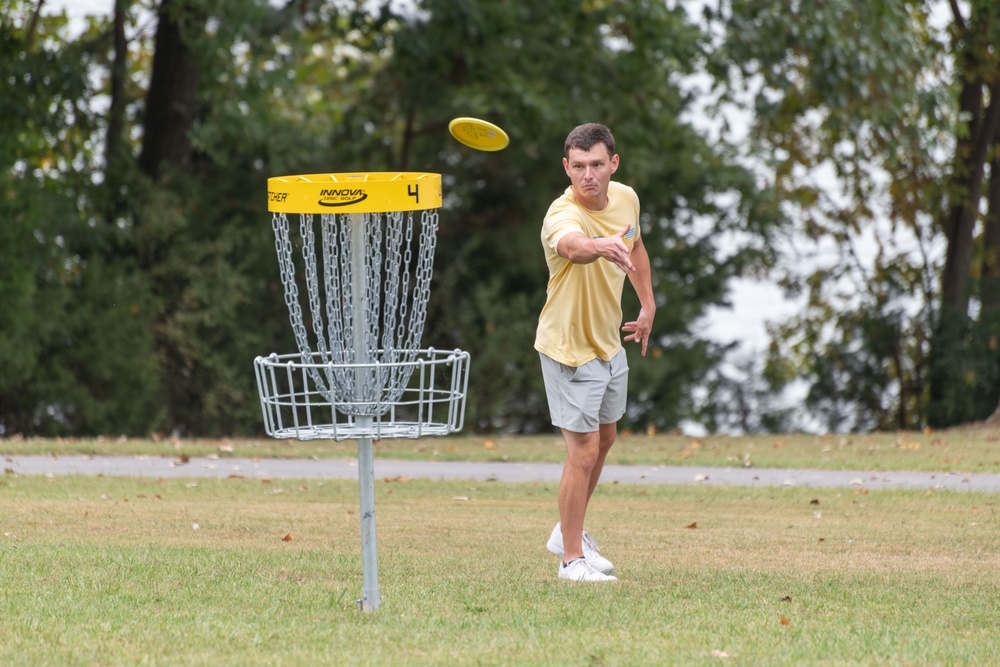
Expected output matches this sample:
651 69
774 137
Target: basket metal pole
371 598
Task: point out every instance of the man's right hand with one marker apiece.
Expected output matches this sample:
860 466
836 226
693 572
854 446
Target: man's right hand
580 249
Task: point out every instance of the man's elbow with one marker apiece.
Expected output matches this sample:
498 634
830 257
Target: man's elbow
576 251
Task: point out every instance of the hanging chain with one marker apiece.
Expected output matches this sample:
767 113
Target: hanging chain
394 299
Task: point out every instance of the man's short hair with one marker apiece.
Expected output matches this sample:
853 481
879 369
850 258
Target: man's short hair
584 137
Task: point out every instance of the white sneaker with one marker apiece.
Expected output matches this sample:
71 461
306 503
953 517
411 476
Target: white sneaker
581 570
590 550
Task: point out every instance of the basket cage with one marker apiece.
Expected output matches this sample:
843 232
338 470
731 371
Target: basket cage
432 403
356 287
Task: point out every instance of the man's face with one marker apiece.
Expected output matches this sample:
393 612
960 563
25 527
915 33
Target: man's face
590 172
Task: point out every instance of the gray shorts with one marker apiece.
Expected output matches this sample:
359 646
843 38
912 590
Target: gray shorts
583 398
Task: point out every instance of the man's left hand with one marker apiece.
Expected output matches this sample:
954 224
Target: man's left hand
639 330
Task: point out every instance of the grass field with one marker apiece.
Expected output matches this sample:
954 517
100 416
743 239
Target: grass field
971 450
122 571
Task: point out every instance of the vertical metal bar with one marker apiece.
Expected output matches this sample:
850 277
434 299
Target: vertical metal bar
370 596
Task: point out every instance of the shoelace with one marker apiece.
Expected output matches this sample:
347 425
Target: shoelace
591 542
584 565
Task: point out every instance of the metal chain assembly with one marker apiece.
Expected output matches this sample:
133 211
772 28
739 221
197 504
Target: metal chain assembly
362 367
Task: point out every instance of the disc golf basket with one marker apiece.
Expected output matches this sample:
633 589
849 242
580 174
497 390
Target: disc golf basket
356 271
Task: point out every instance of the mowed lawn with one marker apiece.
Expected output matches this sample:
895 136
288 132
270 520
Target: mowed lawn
122 571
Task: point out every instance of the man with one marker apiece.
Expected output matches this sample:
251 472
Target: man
592 242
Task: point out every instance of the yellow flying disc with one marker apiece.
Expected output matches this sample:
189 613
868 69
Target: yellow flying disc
479 134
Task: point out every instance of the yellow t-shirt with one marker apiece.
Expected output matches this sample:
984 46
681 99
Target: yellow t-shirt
583 312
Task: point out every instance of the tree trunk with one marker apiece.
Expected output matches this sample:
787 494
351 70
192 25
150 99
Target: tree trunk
965 192
115 150
991 263
990 292
171 103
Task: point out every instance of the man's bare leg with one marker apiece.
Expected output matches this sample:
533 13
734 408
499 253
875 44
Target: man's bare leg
582 454
608 433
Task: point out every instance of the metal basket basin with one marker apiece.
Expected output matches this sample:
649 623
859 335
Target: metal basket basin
295 407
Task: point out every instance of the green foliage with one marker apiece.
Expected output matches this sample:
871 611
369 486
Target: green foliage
863 134
161 291
74 344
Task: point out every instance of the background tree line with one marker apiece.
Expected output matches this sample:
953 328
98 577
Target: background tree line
137 268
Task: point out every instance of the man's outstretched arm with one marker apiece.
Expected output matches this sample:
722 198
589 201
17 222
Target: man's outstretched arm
579 248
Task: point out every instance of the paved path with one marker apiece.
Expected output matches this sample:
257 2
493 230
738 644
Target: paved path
505 472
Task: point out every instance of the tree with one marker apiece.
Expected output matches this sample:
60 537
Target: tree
880 130
74 341
965 366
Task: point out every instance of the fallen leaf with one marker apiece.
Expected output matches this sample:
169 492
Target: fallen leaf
822 539
784 620
694 524
787 598
287 538
814 501
490 444
720 654
398 478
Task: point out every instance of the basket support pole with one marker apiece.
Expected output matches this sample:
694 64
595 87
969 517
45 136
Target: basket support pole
371 598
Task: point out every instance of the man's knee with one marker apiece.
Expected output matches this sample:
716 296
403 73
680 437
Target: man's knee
608 435
582 450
